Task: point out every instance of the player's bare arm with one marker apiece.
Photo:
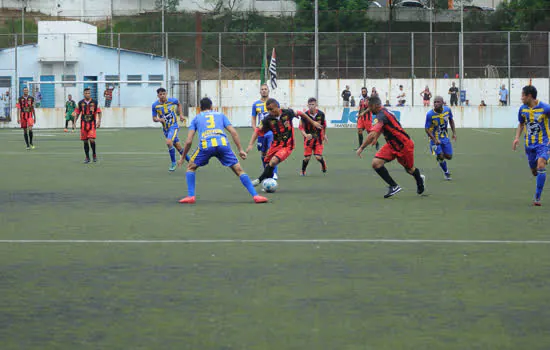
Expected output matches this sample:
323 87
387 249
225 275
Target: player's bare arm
254 120
304 134
186 147
308 119
98 121
453 129
180 112
237 141
519 130
431 136
371 140
252 140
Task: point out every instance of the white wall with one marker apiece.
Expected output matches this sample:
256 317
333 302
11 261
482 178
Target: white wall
296 92
410 117
54 45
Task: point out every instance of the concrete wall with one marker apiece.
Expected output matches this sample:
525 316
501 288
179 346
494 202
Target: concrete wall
236 93
410 117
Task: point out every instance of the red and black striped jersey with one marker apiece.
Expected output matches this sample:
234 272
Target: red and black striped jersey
26 105
386 123
282 128
88 110
319 117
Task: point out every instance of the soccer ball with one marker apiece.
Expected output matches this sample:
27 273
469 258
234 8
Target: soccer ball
269 185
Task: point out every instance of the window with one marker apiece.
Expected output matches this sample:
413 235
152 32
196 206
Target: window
156 77
5 82
134 78
68 78
112 78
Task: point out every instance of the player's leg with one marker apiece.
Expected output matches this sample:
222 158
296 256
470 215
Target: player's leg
359 133
86 151
406 159
268 140
26 136
245 179
66 124
198 158
447 154
318 152
308 151
171 135
93 146
378 164
179 147
275 156
542 159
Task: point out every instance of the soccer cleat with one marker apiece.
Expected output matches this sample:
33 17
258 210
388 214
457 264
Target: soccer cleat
392 190
275 176
95 159
188 200
302 173
172 167
65 130
259 199
324 168
28 148
87 161
420 189
448 176
256 182
536 202
32 147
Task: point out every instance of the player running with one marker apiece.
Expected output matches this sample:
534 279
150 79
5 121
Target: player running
26 116
70 106
398 145
259 111
279 121
364 117
164 112
91 120
213 142
534 116
314 138
436 127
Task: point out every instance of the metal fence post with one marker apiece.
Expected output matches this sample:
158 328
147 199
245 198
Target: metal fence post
16 94
219 71
509 69
412 69
265 58
166 60
119 76
365 59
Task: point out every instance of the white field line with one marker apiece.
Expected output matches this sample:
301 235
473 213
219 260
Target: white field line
272 241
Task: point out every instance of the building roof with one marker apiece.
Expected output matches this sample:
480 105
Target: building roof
131 51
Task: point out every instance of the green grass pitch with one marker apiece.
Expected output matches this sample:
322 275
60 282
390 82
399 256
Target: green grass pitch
278 294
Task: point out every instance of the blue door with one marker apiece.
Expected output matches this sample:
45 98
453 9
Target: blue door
23 84
48 92
92 86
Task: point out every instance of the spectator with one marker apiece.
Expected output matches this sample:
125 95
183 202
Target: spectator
108 94
445 76
467 102
387 104
453 91
7 104
482 104
503 95
374 93
346 94
352 101
324 75
37 98
401 97
426 96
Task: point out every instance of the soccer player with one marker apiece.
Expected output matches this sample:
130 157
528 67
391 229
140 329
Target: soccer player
436 127
398 145
164 112
91 120
534 116
26 116
279 122
259 112
313 138
213 142
364 117
70 106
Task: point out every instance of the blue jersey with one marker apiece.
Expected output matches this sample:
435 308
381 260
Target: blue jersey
437 123
536 123
168 111
258 108
210 127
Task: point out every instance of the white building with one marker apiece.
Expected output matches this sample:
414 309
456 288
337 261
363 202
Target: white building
105 8
61 55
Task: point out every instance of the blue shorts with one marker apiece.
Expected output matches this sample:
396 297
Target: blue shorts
264 142
224 154
172 134
444 147
534 153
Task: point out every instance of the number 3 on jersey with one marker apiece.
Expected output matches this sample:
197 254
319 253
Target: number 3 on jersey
210 124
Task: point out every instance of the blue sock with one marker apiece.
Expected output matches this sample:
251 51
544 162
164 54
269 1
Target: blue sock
275 170
172 152
190 175
186 157
245 180
443 165
541 179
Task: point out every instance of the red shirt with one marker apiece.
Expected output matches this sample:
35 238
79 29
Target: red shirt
282 128
386 123
26 105
89 110
319 117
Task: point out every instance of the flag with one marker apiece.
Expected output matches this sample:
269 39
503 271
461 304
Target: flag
262 72
273 70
